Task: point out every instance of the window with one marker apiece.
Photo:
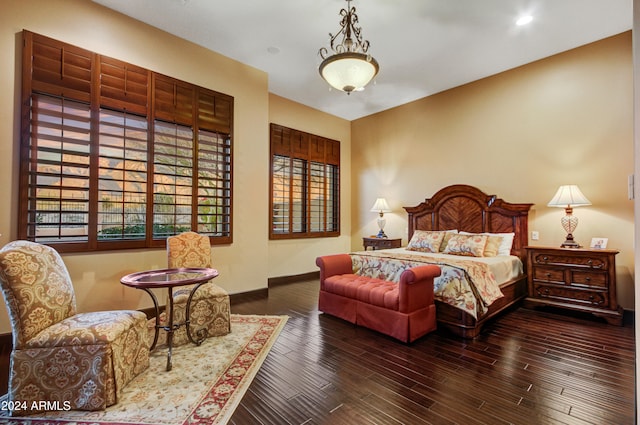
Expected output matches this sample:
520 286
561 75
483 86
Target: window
305 185
114 156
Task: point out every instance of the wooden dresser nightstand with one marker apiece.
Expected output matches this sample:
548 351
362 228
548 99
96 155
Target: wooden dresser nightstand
381 243
578 279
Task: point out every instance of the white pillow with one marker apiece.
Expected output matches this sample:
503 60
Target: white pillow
505 246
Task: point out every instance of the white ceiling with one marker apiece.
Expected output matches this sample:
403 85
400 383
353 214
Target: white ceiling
423 46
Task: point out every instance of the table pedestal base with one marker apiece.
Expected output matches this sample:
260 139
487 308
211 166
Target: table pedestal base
171 327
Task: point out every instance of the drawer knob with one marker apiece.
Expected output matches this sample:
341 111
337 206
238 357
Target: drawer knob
588 279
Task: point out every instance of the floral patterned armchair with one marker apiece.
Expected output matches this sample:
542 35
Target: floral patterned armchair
80 360
210 307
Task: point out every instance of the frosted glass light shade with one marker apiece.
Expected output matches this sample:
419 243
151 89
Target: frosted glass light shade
348 71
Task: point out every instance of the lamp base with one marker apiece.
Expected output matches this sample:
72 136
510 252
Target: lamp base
570 243
381 222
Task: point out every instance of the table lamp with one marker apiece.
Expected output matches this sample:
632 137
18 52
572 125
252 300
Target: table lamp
381 206
568 197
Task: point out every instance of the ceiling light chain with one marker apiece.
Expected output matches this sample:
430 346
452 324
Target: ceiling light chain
350 67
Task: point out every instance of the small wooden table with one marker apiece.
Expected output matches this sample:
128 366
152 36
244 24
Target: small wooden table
170 278
381 243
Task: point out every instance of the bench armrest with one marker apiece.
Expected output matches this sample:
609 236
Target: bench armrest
331 265
416 287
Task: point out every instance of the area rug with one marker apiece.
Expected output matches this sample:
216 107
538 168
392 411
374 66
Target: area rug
205 385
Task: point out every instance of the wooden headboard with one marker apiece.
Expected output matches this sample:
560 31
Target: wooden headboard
468 209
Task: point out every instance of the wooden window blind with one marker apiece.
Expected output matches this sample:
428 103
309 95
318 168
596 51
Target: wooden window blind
122 176
57 173
115 156
305 185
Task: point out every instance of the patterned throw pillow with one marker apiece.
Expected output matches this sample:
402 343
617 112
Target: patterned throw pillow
445 240
505 245
492 246
425 241
468 245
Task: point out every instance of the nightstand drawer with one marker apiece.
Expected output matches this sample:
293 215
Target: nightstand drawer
593 262
386 243
381 243
573 296
588 278
548 274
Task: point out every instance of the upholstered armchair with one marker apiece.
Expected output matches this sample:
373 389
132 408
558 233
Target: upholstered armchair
210 307
80 360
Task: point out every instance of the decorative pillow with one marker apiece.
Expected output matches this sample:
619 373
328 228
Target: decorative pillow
507 242
425 241
468 245
505 246
492 247
445 240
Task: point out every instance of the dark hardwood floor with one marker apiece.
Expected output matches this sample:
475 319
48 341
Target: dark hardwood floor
527 367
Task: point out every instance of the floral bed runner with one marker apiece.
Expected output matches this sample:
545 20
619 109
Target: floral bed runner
464 284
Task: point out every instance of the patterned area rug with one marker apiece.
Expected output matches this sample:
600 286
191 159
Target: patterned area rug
204 387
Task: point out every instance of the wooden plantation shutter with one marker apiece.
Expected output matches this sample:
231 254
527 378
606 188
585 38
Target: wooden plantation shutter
124 87
58 69
56 133
116 156
56 207
192 159
304 182
122 144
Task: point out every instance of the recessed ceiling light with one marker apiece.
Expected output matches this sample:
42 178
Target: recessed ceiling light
524 20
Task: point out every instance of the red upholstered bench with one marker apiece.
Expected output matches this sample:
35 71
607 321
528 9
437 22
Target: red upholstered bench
404 310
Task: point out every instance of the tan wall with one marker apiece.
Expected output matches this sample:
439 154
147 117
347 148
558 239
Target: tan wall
566 119
298 256
243 265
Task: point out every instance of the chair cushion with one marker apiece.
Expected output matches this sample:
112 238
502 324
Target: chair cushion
210 310
96 328
208 290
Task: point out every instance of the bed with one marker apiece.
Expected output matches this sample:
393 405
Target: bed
468 210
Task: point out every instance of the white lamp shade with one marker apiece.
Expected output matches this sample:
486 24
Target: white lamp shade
381 206
348 71
568 196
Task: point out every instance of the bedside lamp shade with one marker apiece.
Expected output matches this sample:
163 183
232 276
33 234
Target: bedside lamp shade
568 197
381 206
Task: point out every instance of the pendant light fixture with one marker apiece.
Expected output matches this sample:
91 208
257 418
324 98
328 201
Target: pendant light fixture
348 66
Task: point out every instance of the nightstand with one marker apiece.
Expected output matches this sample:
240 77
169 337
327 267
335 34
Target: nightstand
381 243
577 279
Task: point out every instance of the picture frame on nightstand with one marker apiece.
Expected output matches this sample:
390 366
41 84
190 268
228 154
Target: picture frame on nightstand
598 243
